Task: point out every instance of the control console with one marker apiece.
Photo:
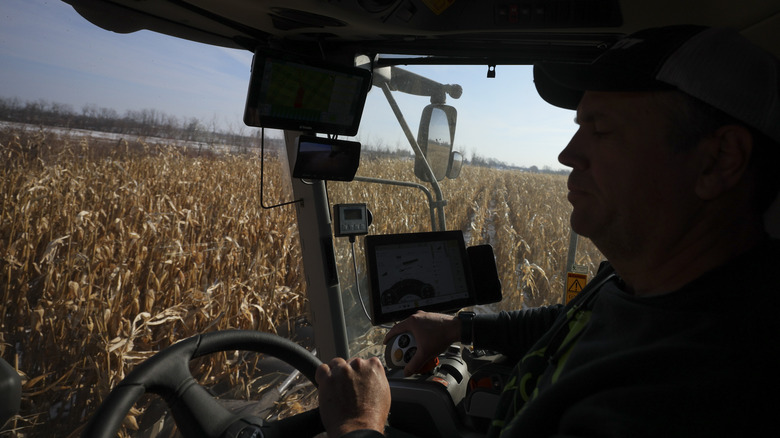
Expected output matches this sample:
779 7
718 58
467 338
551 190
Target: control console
453 396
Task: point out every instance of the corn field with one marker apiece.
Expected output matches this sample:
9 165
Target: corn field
111 251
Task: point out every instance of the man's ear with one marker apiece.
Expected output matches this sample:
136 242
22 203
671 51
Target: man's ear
726 155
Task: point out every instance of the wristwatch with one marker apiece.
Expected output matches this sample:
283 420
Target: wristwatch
466 327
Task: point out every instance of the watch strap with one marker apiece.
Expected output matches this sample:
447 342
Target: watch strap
466 327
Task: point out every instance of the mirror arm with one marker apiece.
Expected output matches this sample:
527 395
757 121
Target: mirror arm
412 83
418 152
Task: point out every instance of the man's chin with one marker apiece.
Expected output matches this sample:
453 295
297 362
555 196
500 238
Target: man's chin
581 223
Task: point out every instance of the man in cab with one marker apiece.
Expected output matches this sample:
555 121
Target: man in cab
676 336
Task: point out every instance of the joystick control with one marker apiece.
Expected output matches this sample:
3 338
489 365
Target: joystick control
401 349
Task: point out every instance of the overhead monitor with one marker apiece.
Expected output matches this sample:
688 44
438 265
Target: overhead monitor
306 96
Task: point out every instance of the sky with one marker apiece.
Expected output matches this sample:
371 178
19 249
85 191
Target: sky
49 52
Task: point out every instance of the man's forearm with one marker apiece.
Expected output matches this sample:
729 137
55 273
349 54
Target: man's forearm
512 333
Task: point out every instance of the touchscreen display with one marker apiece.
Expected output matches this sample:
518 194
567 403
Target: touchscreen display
418 271
306 97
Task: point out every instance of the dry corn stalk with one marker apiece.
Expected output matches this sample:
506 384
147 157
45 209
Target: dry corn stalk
109 252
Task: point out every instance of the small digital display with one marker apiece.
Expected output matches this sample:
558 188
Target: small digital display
350 220
306 97
353 214
417 271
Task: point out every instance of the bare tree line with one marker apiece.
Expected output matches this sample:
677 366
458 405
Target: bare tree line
145 122
154 123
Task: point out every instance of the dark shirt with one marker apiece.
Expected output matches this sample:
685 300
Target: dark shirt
700 361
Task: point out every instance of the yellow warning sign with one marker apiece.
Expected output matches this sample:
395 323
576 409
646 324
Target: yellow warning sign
438 6
574 284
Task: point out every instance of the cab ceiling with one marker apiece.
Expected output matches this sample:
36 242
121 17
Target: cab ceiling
472 31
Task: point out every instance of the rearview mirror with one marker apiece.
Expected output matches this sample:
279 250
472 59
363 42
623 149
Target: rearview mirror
435 137
456 163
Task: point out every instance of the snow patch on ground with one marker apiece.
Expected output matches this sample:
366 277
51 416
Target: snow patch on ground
27 127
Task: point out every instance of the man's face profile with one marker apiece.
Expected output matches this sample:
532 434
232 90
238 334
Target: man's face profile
626 179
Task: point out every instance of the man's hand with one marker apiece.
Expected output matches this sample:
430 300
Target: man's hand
433 332
353 395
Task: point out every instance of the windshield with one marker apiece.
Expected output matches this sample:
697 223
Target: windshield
511 192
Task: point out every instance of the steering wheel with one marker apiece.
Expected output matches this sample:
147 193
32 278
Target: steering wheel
196 412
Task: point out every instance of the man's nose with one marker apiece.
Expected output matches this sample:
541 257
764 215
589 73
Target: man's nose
571 155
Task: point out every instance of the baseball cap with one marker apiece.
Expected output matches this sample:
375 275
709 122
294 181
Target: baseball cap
715 65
